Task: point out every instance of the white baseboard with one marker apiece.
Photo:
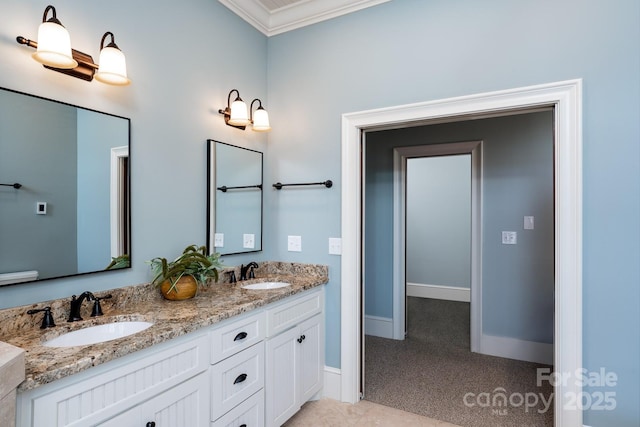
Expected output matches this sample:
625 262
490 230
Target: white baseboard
450 293
512 348
332 383
378 326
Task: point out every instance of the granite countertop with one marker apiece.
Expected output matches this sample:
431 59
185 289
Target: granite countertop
170 319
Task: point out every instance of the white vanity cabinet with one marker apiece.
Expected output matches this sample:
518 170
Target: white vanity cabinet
254 369
166 382
294 356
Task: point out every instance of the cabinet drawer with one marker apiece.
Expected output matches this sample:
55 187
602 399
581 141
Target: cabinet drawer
284 316
236 378
230 339
249 413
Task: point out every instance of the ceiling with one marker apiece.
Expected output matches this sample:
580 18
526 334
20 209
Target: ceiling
273 17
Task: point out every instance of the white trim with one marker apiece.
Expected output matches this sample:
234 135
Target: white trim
512 348
400 156
379 326
332 382
296 15
449 293
566 97
116 198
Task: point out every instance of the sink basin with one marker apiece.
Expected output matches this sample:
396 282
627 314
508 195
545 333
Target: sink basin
266 285
97 334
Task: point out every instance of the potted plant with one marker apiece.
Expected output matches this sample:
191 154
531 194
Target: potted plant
121 261
179 279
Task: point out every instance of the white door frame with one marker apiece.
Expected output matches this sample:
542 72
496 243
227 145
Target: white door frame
400 156
566 98
116 199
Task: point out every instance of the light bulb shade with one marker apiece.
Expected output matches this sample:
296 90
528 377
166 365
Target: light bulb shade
54 46
261 120
239 115
113 67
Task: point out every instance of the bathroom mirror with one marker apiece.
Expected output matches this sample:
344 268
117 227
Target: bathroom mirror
234 189
68 213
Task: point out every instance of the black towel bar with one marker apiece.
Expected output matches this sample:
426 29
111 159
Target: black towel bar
328 183
14 185
224 188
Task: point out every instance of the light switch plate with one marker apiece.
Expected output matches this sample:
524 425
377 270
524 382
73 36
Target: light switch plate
41 208
335 246
509 238
218 240
294 243
248 241
528 223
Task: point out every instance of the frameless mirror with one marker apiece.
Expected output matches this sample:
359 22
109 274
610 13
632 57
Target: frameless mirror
68 213
234 189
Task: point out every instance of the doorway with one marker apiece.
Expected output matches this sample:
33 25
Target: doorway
565 98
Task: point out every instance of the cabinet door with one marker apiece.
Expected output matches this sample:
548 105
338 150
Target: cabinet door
281 389
185 405
311 358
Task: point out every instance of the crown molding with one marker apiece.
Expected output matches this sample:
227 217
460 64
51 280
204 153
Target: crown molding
297 15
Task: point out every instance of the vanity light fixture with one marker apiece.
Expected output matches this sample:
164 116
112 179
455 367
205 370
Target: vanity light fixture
113 66
237 115
259 118
53 50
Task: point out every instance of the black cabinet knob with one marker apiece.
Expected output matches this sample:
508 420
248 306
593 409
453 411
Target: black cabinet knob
151 424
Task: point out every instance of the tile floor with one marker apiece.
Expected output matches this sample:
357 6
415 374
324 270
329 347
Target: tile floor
331 413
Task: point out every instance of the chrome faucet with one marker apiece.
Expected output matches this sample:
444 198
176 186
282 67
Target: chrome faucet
76 303
245 268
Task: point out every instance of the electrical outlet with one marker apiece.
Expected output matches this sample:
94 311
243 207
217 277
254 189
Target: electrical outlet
248 241
294 243
218 240
335 246
509 238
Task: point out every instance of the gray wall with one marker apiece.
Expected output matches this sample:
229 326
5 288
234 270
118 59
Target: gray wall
42 157
439 221
517 280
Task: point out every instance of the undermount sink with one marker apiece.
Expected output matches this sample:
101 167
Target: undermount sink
266 285
97 334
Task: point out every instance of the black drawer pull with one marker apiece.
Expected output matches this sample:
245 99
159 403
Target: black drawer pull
243 425
240 378
240 336
151 424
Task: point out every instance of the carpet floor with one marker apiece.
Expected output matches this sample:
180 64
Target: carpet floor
433 373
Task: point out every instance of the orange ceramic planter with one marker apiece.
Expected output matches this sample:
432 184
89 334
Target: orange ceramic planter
186 288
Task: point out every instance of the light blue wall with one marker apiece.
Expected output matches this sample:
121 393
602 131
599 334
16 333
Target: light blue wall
41 157
439 220
408 51
97 135
517 180
238 211
183 59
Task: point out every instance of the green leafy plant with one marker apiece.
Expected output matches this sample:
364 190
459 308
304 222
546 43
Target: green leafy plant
120 261
193 261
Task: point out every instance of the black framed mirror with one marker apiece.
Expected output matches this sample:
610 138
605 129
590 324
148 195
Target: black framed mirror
70 214
234 193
